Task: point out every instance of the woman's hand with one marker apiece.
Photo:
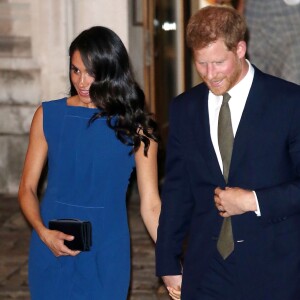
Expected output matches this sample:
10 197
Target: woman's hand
174 293
173 285
55 242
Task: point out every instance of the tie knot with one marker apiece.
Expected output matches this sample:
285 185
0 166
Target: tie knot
226 98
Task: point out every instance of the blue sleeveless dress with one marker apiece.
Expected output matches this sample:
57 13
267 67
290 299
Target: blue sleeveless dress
88 174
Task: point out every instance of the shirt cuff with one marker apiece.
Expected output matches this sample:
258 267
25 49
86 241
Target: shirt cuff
257 205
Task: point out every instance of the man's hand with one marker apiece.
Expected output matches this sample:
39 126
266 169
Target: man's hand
173 285
234 201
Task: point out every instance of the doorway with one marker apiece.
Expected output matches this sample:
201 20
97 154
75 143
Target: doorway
167 68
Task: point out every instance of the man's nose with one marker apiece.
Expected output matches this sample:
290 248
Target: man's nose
210 72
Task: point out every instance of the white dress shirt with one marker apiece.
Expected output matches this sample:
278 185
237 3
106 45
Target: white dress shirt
239 94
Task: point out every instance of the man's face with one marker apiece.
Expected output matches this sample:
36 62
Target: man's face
220 68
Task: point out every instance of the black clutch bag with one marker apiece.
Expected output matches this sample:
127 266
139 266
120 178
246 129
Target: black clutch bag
81 230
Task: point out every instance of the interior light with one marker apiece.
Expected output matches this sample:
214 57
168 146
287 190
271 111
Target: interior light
169 26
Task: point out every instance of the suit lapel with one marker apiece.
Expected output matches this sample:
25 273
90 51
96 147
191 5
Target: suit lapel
201 132
248 125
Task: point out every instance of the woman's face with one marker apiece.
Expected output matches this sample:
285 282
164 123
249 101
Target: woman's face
81 79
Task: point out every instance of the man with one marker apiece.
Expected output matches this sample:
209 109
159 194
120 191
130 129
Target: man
232 190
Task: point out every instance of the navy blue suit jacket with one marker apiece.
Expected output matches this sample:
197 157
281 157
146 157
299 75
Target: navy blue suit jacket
266 159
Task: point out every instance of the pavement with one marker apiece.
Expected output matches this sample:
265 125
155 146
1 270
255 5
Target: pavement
14 241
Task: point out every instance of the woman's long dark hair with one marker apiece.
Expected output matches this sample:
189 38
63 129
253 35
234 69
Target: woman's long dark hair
114 90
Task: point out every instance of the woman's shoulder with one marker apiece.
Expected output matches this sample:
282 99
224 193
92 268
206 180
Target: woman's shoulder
53 110
54 103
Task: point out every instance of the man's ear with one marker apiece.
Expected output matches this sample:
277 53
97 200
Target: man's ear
241 49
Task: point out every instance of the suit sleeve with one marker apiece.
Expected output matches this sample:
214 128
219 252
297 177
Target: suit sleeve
177 201
283 200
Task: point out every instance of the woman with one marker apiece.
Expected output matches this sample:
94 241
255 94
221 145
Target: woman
92 140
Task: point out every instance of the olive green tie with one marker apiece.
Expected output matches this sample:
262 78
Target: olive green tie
225 244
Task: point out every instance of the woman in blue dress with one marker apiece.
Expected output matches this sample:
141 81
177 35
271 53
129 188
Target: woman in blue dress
91 141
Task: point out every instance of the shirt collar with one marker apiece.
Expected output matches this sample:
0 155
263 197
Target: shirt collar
244 84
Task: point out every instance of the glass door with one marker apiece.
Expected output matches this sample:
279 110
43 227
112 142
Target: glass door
169 56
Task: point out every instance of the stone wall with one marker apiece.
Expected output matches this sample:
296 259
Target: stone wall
19 92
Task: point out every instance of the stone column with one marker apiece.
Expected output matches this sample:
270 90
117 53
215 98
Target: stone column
112 14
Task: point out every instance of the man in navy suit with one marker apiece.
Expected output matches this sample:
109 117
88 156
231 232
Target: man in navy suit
260 192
